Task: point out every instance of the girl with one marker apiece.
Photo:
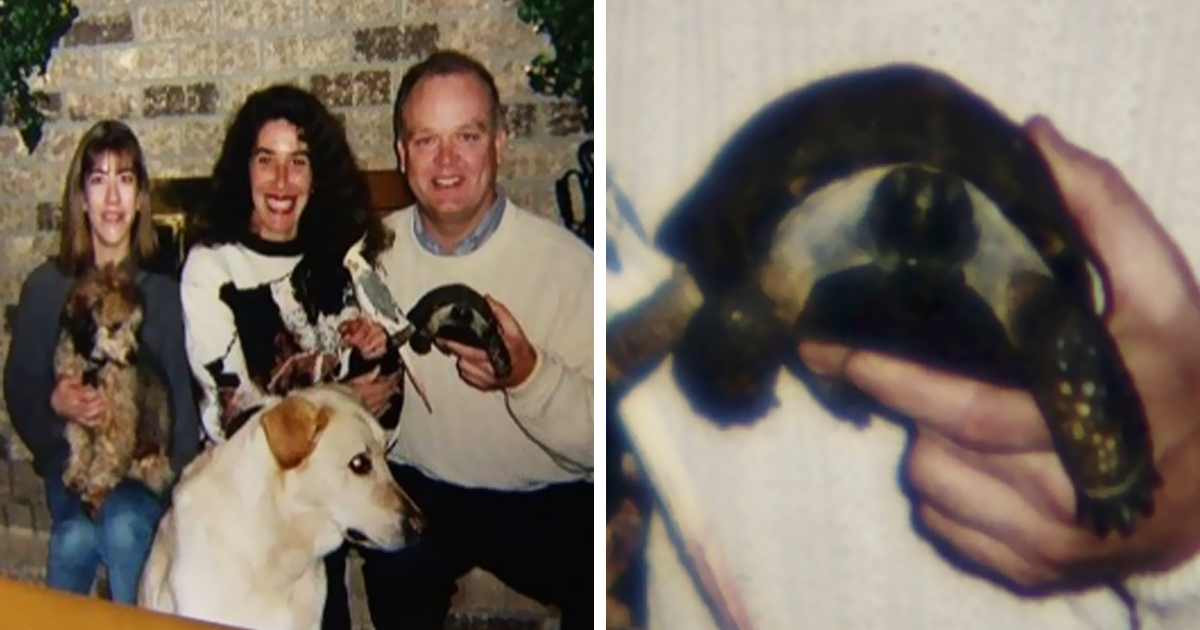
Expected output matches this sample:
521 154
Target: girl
106 219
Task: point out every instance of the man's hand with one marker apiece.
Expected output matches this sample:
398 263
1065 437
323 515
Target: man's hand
986 476
77 402
367 336
473 365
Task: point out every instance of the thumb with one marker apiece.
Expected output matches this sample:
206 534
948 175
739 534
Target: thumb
508 324
1134 249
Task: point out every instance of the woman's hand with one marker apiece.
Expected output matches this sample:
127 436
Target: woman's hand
376 391
76 402
367 336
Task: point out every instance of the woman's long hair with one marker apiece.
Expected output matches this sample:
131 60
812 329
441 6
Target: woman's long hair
338 212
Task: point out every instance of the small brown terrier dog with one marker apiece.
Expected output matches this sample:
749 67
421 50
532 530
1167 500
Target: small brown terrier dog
99 343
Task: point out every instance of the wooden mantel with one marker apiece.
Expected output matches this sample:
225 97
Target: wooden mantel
34 607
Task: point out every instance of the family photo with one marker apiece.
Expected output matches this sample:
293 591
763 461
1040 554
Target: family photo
299 315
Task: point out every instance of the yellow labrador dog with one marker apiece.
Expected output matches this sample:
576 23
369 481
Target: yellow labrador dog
252 518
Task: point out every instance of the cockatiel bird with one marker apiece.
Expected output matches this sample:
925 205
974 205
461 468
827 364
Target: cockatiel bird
378 304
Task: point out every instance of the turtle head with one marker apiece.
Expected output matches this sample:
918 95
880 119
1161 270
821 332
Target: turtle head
921 218
649 298
730 356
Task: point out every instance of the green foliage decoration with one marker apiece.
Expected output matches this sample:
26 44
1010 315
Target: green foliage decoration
29 32
569 25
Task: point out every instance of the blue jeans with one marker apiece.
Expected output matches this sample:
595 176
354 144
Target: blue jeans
120 537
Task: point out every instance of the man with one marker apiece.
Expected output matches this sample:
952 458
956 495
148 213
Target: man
815 527
500 467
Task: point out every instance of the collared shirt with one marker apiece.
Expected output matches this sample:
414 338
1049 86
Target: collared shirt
474 238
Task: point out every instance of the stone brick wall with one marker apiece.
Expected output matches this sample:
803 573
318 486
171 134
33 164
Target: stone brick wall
176 70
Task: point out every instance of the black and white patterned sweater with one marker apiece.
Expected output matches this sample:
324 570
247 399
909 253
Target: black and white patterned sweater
261 319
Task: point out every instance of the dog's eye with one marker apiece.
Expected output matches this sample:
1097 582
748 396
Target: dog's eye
360 464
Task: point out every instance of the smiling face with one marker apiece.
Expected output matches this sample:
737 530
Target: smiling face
110 192
280 181
450 150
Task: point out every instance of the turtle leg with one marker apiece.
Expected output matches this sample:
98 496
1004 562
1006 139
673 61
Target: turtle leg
1079 381
497 352
730 355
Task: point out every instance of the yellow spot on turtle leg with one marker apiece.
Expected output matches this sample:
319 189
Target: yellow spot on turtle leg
1083 409
1065 388
1077 430
1089 388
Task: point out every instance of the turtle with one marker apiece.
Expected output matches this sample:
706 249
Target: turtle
459 313
891 207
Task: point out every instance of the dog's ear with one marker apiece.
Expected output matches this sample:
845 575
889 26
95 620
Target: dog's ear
292 428
77 304
77 320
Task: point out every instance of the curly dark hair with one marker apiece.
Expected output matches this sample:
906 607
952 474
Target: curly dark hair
338 213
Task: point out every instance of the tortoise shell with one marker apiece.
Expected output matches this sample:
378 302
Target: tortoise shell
457 312
894 209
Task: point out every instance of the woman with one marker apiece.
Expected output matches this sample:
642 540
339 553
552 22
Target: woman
106 219
287 203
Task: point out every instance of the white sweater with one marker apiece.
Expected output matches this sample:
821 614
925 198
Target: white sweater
807 509
541 432
212 333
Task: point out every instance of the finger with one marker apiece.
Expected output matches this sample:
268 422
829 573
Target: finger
475 377
977 415
979 501
1039 478
477 372
376 344
982 548
377 398
467 353
1114 219
92 414
503 315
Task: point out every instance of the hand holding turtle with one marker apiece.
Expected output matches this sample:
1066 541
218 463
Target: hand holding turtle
475 368
982 464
